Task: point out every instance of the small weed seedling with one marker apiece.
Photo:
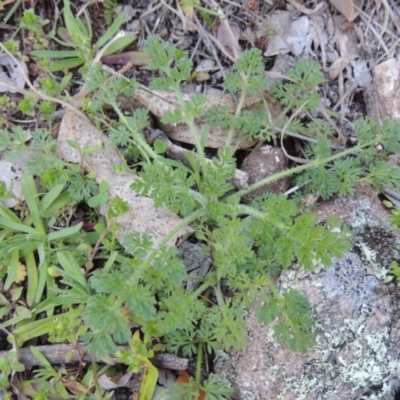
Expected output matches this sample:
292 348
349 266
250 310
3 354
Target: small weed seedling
78 34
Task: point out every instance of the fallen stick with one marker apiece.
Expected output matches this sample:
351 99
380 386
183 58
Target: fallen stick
57 353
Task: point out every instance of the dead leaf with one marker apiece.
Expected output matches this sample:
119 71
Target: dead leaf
159 102
201 76
228 36
348 7
189 8
75 387
340 64
107 383
289 34
11 73
142 217
252 5
10 174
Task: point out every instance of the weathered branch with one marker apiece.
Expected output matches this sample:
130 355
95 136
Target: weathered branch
57 353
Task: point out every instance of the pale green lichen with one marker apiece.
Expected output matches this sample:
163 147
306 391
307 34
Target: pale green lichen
370 368
373 367
355 356
350 355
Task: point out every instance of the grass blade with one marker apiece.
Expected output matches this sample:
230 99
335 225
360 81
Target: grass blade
72 270
50 197
66 63
40 357
33 279
66 232
17 226
120 44
31 196
111 31
54 53
13 269
8 214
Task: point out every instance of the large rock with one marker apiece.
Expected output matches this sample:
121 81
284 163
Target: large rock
357 327
382 97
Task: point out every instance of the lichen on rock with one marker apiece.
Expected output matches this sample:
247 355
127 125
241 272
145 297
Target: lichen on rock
357 327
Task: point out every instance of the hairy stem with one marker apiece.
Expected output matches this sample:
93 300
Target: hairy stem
238 110
198 363
145 149
193 129
301 168
146 263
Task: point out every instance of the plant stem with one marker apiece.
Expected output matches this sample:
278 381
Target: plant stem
198 363
192 127
139 271
300 168
146 150
238 110
96 381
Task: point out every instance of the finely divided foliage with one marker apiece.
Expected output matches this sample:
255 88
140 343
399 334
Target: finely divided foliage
248 244
143 285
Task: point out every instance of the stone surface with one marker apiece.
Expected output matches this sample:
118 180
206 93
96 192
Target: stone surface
357 327
10 174
383 96
289 33
264 162
196 261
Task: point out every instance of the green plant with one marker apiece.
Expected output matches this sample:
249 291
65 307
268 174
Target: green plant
46 259
142 285
49 381
37 241
34 23
8 366
4 101
21 239
43 161
109 13
78 35
51 87
27 105
12 46
247 252
395 217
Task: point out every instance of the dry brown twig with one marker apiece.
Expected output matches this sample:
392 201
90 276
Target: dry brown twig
201 31
56 355
224 20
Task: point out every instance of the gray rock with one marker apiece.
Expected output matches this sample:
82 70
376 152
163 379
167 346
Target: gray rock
357 327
